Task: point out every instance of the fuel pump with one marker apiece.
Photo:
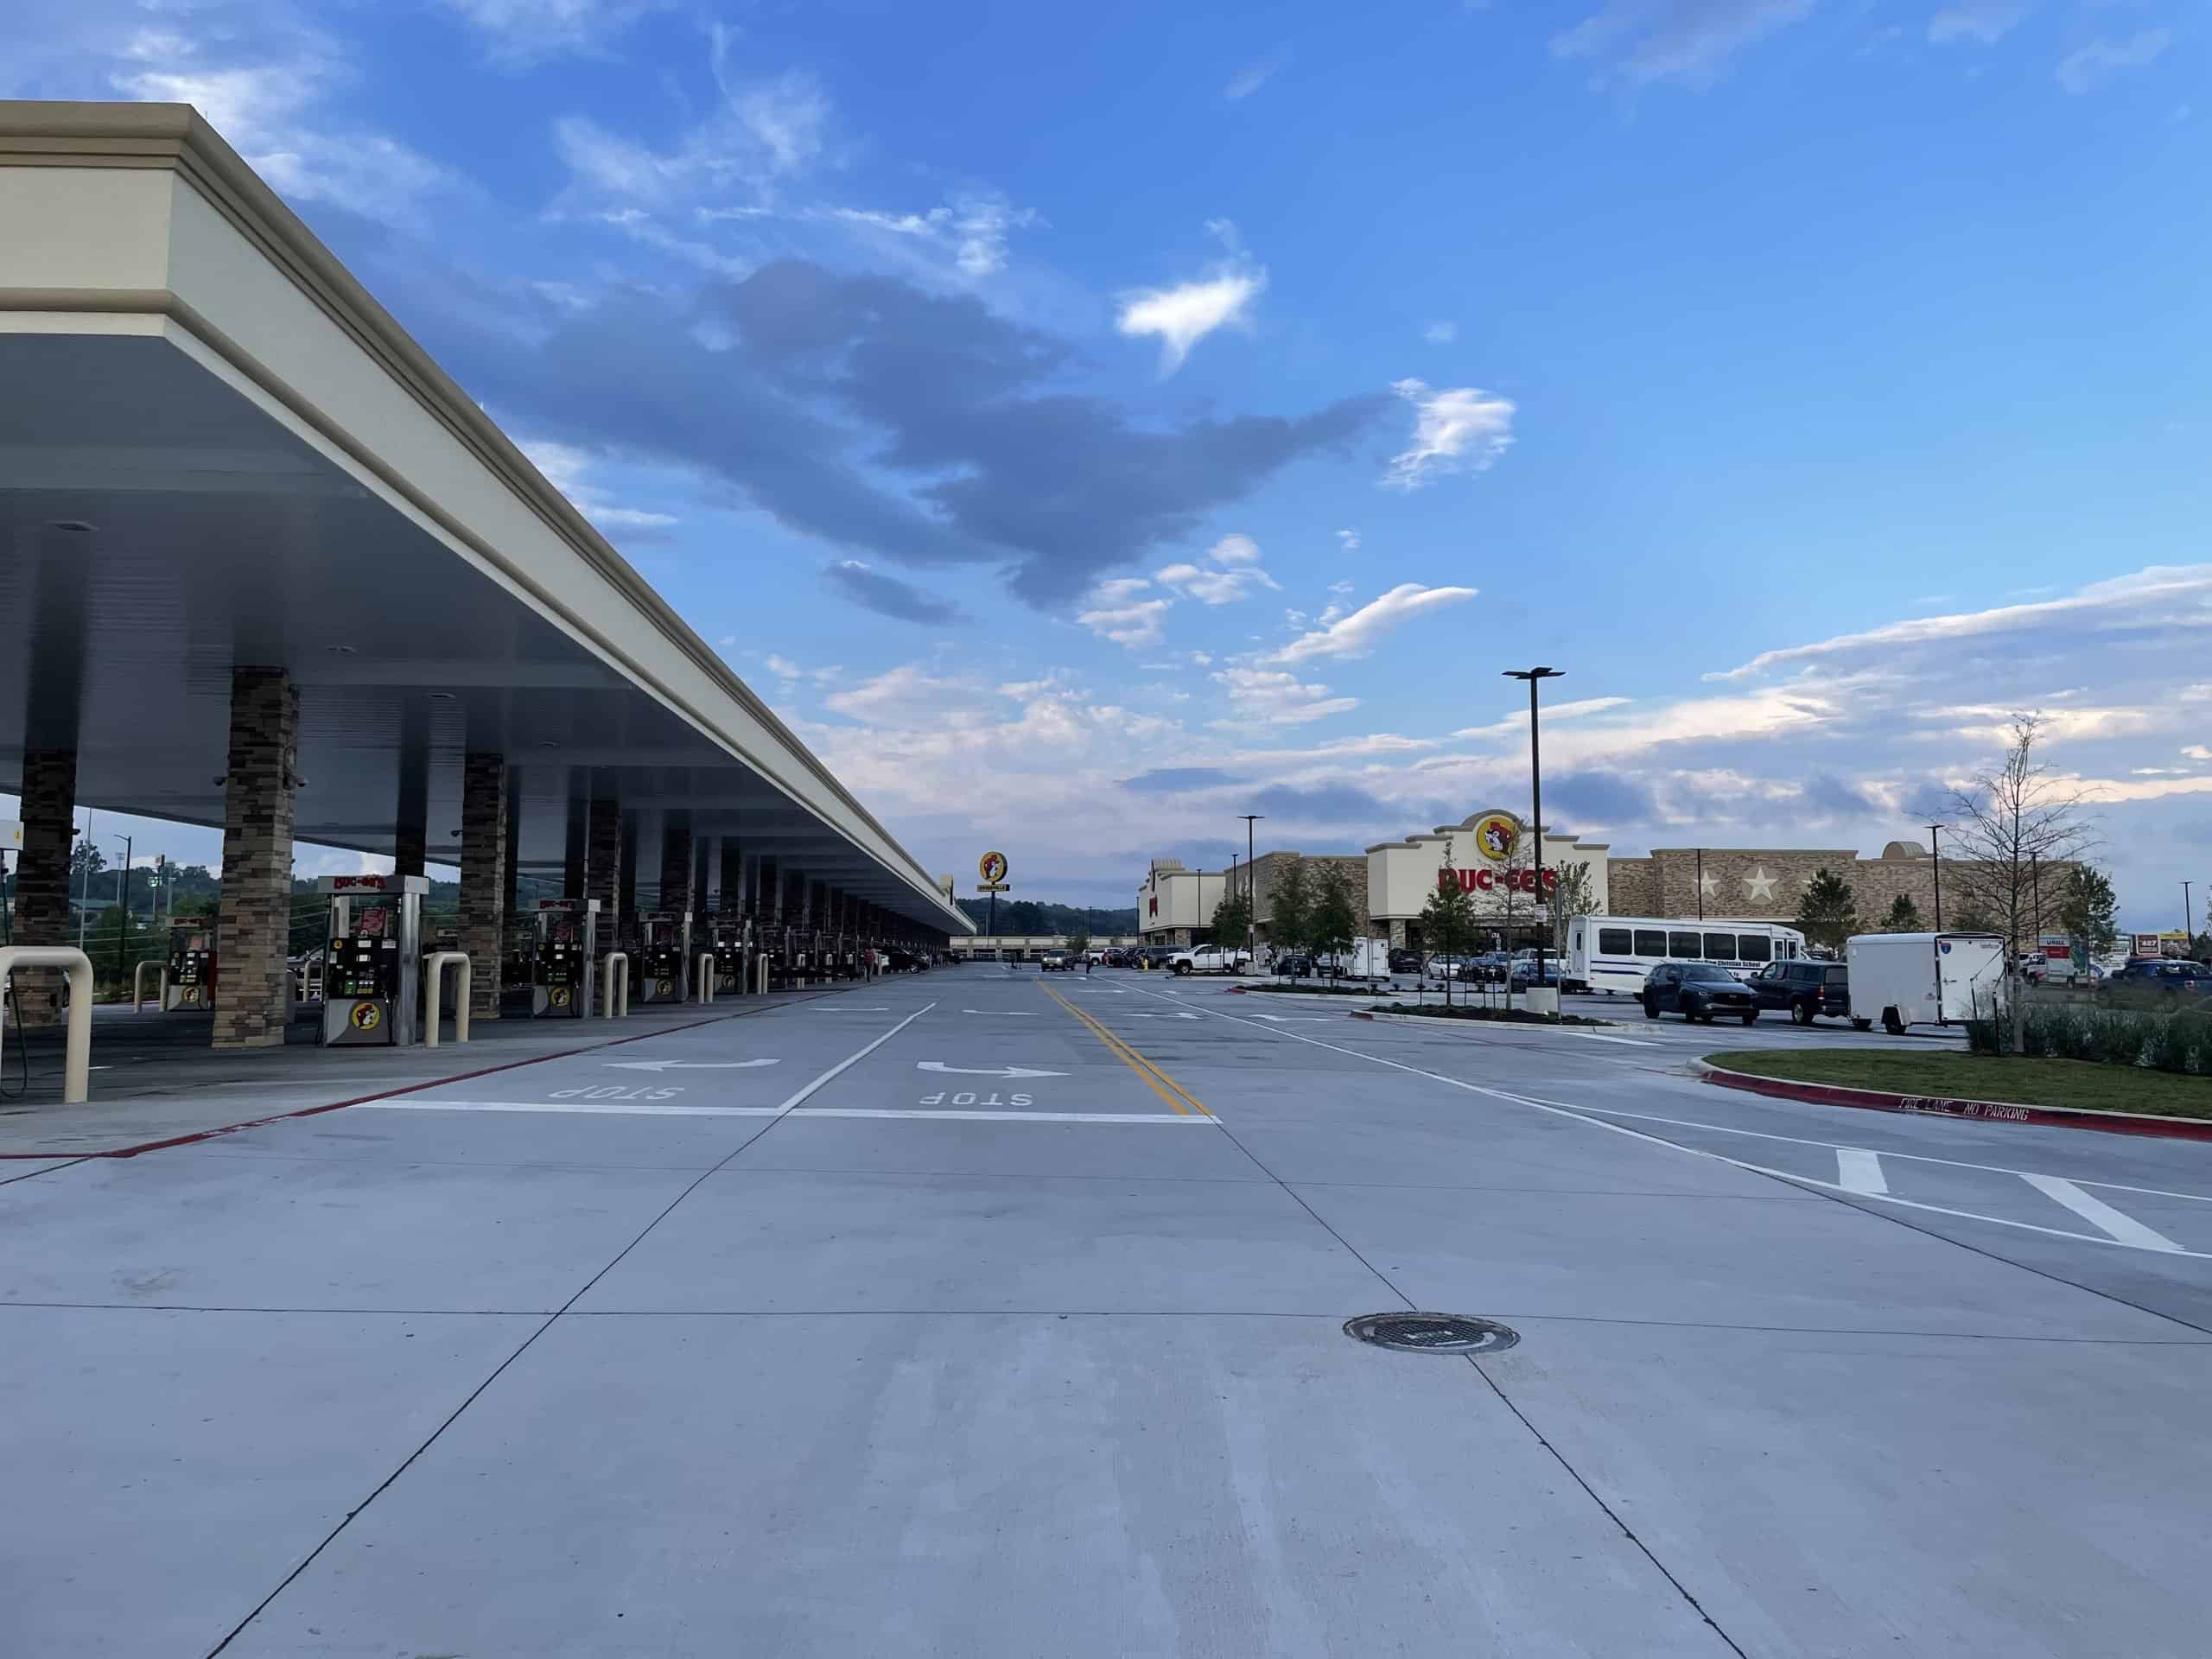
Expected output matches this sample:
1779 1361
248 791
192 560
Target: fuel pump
665 957
372 959
565 961
729 939
192 968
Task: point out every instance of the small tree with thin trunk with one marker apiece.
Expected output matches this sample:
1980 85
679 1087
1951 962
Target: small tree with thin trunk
1334 921
2088 910
1231 919
1078 945
1827 915
1447 921
1904 917
1575 895
2010 819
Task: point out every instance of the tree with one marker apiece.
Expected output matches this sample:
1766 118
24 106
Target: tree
1574 896
85 859
1904 917
1232 918
1290 907
1079 945
1447 920
1970 915
2011 817
2088 910
1334 921
1827 915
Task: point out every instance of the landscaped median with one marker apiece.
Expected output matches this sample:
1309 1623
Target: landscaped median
2071 1093
1501 1016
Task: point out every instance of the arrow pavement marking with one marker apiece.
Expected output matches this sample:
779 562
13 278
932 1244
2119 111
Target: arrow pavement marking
1178 1014
1025 1013
1288 1019
685 1066
985 1071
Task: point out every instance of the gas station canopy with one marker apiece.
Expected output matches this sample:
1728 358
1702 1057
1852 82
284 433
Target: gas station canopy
217 450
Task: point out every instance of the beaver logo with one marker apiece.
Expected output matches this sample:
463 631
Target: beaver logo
366 1016
1496 836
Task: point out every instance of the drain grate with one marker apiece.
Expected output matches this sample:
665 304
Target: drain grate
1431 1333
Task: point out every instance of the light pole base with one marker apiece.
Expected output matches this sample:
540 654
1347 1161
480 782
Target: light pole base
1541 999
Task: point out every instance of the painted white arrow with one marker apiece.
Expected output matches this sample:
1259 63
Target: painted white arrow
985 1071
1178 1014
684 1065
1291 1018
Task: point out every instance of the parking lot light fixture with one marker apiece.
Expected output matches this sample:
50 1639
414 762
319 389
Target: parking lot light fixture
1535 676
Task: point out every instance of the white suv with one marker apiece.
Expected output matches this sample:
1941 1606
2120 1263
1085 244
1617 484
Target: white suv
1211 959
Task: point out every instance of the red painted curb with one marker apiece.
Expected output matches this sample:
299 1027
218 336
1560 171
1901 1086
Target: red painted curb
1985 1111
384 1094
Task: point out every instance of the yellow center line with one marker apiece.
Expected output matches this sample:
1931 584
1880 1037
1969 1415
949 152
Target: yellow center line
1161 1085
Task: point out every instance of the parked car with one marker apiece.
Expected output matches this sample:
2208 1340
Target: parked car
1805 990
1296 964
2163 976
1405 961
1490 967
1523 974
1209 959
1441 967
1057 962
1697 990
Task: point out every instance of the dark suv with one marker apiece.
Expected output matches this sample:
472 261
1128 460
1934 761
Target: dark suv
1696 991
1807 991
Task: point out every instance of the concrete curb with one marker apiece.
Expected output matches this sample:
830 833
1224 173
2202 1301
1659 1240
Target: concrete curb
1985 1111
1470 1026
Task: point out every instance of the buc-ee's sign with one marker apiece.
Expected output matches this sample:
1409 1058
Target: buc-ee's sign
1488 881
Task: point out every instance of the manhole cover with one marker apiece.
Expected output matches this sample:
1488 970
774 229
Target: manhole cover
1431 1333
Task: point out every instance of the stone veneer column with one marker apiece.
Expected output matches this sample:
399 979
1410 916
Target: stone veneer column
603 860
510 900
485 863
575 836
732 900
253 999
49 811
410 839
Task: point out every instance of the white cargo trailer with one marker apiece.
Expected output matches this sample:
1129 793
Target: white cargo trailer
1923 979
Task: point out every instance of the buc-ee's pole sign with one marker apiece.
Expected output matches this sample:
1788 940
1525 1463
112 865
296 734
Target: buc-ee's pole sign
992 868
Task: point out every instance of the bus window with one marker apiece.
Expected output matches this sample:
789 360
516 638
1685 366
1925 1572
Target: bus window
1720 947
1650 941
1688 946
1613 941
1753 947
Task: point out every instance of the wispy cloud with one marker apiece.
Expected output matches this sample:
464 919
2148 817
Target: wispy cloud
1182 315
2090 66
889 596
1360 632
1983 22
1275 698
1248 79
524 30
1462 429
1231 572
1440 333
567 468
1113 613
1688 41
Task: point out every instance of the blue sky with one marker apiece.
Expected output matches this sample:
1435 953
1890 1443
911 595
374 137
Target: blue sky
1086 426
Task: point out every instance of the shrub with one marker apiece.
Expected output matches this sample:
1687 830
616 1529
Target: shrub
2178 1042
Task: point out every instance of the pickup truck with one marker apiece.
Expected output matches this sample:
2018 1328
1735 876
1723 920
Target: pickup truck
1209 959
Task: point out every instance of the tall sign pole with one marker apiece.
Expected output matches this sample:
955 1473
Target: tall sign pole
1252 891
1534 675
992 868
1936 863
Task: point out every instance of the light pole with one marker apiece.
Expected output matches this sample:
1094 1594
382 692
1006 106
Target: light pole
1251 891
2187 924
1534 677
1936 863
1700 883
85 885
122 906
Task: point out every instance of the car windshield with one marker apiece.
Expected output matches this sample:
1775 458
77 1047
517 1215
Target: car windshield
1704 973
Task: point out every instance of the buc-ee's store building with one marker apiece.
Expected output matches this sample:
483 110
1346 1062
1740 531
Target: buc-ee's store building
1389 884
1489 855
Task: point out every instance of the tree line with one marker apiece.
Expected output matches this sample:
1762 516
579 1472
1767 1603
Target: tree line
1033 916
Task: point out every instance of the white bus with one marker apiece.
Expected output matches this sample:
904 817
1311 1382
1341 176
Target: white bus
1613 953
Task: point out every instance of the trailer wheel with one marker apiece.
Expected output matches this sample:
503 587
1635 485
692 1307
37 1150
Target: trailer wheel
1862 1025
1891 1024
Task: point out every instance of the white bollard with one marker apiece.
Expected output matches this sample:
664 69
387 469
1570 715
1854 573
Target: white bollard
611 983
434 965
138 986
705 973
77 1065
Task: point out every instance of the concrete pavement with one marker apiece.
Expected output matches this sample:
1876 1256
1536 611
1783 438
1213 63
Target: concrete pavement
979 1312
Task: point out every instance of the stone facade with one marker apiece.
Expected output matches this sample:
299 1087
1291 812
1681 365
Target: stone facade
42 877
253 998
1768 884
485 885
675 862
603 858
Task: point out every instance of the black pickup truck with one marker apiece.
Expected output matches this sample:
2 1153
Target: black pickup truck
1806 990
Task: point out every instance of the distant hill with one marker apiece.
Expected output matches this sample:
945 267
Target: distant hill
1028 916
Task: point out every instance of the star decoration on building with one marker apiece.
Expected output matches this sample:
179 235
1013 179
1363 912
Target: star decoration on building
1758 884
1707 883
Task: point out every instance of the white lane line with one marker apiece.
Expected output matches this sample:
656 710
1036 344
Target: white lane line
1022 1014
650 1108
1859 1171
1582 1116
854 1058
2125 1229
612 1108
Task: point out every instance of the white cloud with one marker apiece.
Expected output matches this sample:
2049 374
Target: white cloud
1982 22
567 467
1136 623
1348 540
1235 549
2090 66
1118 587
1248 79
1440 333
1462 429
2160 597
1235 574
1688 41
527 29
1278 699
1515 724
1360 632
1183 315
